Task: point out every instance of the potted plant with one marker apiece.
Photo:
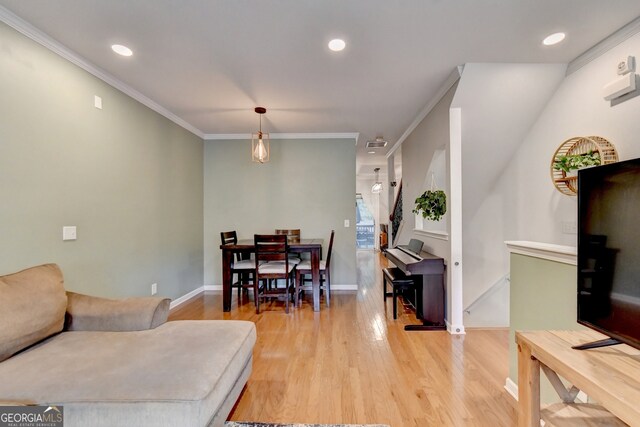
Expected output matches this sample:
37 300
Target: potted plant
432 204
572 162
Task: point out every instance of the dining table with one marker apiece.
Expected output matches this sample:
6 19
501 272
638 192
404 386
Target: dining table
245 247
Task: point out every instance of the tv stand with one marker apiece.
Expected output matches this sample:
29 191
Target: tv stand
597 344
608 376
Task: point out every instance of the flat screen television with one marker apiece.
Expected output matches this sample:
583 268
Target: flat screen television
609 251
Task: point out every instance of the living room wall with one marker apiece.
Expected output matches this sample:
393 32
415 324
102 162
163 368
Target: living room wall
127 177
535 209
308 184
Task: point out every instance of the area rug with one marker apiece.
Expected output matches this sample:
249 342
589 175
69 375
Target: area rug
238 424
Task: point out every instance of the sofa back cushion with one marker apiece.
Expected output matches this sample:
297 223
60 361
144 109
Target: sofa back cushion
32 307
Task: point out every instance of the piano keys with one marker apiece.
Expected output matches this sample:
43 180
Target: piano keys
427 271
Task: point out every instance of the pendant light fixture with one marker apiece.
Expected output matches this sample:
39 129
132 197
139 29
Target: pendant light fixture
260 141
377 187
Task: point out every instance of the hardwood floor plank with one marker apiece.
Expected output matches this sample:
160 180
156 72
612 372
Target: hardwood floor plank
353 363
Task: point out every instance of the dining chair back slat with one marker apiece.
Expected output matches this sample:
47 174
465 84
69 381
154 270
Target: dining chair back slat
268 249
333 232
246 274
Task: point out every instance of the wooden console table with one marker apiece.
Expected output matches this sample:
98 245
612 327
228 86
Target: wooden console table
608 375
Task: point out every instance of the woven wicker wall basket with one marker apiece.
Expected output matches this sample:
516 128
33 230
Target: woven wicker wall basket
568 184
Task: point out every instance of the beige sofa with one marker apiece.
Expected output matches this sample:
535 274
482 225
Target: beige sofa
116 362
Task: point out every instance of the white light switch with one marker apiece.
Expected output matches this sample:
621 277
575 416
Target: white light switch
69 233
97 102
346 223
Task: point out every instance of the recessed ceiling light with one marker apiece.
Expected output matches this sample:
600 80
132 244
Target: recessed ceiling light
553 39
371 152
337 45
121 50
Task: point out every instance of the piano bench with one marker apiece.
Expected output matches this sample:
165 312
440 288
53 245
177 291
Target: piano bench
399 282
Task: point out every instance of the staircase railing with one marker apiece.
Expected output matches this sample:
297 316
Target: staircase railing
396 215
491 290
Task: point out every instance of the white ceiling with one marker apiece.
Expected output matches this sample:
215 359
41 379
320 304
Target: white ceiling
211 62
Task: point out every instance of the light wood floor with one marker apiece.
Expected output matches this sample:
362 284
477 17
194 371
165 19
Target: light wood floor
352 363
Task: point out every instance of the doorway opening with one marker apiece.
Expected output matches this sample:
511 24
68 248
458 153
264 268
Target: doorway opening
365 225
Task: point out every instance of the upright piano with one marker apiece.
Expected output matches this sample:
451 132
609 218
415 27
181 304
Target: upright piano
427 271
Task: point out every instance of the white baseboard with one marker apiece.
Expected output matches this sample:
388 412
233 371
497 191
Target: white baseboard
178 301
340 287
344 287
454 329
511 387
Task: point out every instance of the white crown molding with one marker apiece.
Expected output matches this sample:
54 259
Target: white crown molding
58 48
451 80
624 33
548 251
225 136
338 135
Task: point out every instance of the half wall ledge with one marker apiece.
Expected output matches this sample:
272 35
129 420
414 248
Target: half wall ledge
549 251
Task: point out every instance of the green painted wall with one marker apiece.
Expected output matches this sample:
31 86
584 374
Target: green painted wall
128 178
308 184
543 296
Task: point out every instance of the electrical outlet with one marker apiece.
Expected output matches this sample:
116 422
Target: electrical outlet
347 223
569 227
154 288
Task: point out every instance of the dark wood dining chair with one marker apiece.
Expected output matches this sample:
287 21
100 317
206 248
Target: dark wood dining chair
272 262
293 236
304 268
245 269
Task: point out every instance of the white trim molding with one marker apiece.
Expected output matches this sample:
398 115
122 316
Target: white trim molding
345 287
549 251
58 48
328 135
440 235
336 287
624 33
455 329
512 388
184 298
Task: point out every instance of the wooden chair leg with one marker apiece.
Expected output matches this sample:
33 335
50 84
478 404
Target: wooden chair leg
296 296
256 294
286 295
328 285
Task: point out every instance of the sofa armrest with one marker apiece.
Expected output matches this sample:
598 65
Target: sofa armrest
87 313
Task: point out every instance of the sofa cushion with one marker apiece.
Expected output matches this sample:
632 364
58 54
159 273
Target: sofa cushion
32 307
178 374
